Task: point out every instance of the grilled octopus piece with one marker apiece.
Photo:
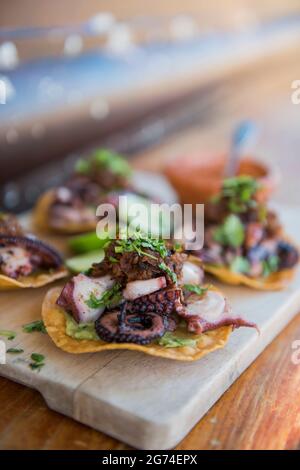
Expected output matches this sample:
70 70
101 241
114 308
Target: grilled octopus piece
162 302
36 254
134 328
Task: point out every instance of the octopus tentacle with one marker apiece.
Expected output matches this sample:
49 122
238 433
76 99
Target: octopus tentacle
135 328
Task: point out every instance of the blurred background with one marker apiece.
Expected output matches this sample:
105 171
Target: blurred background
155 80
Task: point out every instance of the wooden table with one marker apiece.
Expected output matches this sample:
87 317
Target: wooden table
261 410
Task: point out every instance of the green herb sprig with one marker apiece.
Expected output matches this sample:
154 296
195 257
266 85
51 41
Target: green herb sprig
10 335
14 351
106 159
38 361
168 271
37 325
110 298
196 289
231 232
239 193
138 242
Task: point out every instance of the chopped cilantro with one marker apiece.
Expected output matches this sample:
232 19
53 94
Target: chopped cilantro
240 265
108 299
14 351
231 232
38 361
138 242
37 357
36 365
168 271
239 193
196 289
10 335
107 159
270 265
37 325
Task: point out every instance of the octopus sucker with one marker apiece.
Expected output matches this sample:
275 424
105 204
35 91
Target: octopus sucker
139 329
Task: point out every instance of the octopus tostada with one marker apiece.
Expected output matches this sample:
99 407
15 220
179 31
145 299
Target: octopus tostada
25 261
147 295
71 208
244 240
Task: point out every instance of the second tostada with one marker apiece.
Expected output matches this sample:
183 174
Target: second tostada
26 261
245 242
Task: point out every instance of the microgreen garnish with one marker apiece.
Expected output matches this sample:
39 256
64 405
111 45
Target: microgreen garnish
231 232
104 159
10 335
138 242
14 351
240 265
239 193
196 289
38 361
270 265
178 247
168 271
110 298
169 340
37 357
36 365
37 325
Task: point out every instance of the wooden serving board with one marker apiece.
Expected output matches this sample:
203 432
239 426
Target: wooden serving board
147 402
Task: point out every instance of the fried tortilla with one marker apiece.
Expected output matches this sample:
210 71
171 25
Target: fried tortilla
34 280
41 218
275 281
55 323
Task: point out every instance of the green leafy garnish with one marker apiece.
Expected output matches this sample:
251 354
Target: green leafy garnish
231 232
138 242
14 351
239 193
196 289
36 365
10 335
38 361
110 298
107 159
168 271
37 325
240 265
169 340
270 265
37 357
82 166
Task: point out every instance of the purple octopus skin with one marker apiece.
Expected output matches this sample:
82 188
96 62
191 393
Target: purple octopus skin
163 302
41 255
66 299
138 329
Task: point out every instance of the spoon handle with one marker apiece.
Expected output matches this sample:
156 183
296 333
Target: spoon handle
242 134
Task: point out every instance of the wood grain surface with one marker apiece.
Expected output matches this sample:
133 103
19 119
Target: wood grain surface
260 411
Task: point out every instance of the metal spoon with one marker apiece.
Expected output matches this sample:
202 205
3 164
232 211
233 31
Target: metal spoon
244 132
